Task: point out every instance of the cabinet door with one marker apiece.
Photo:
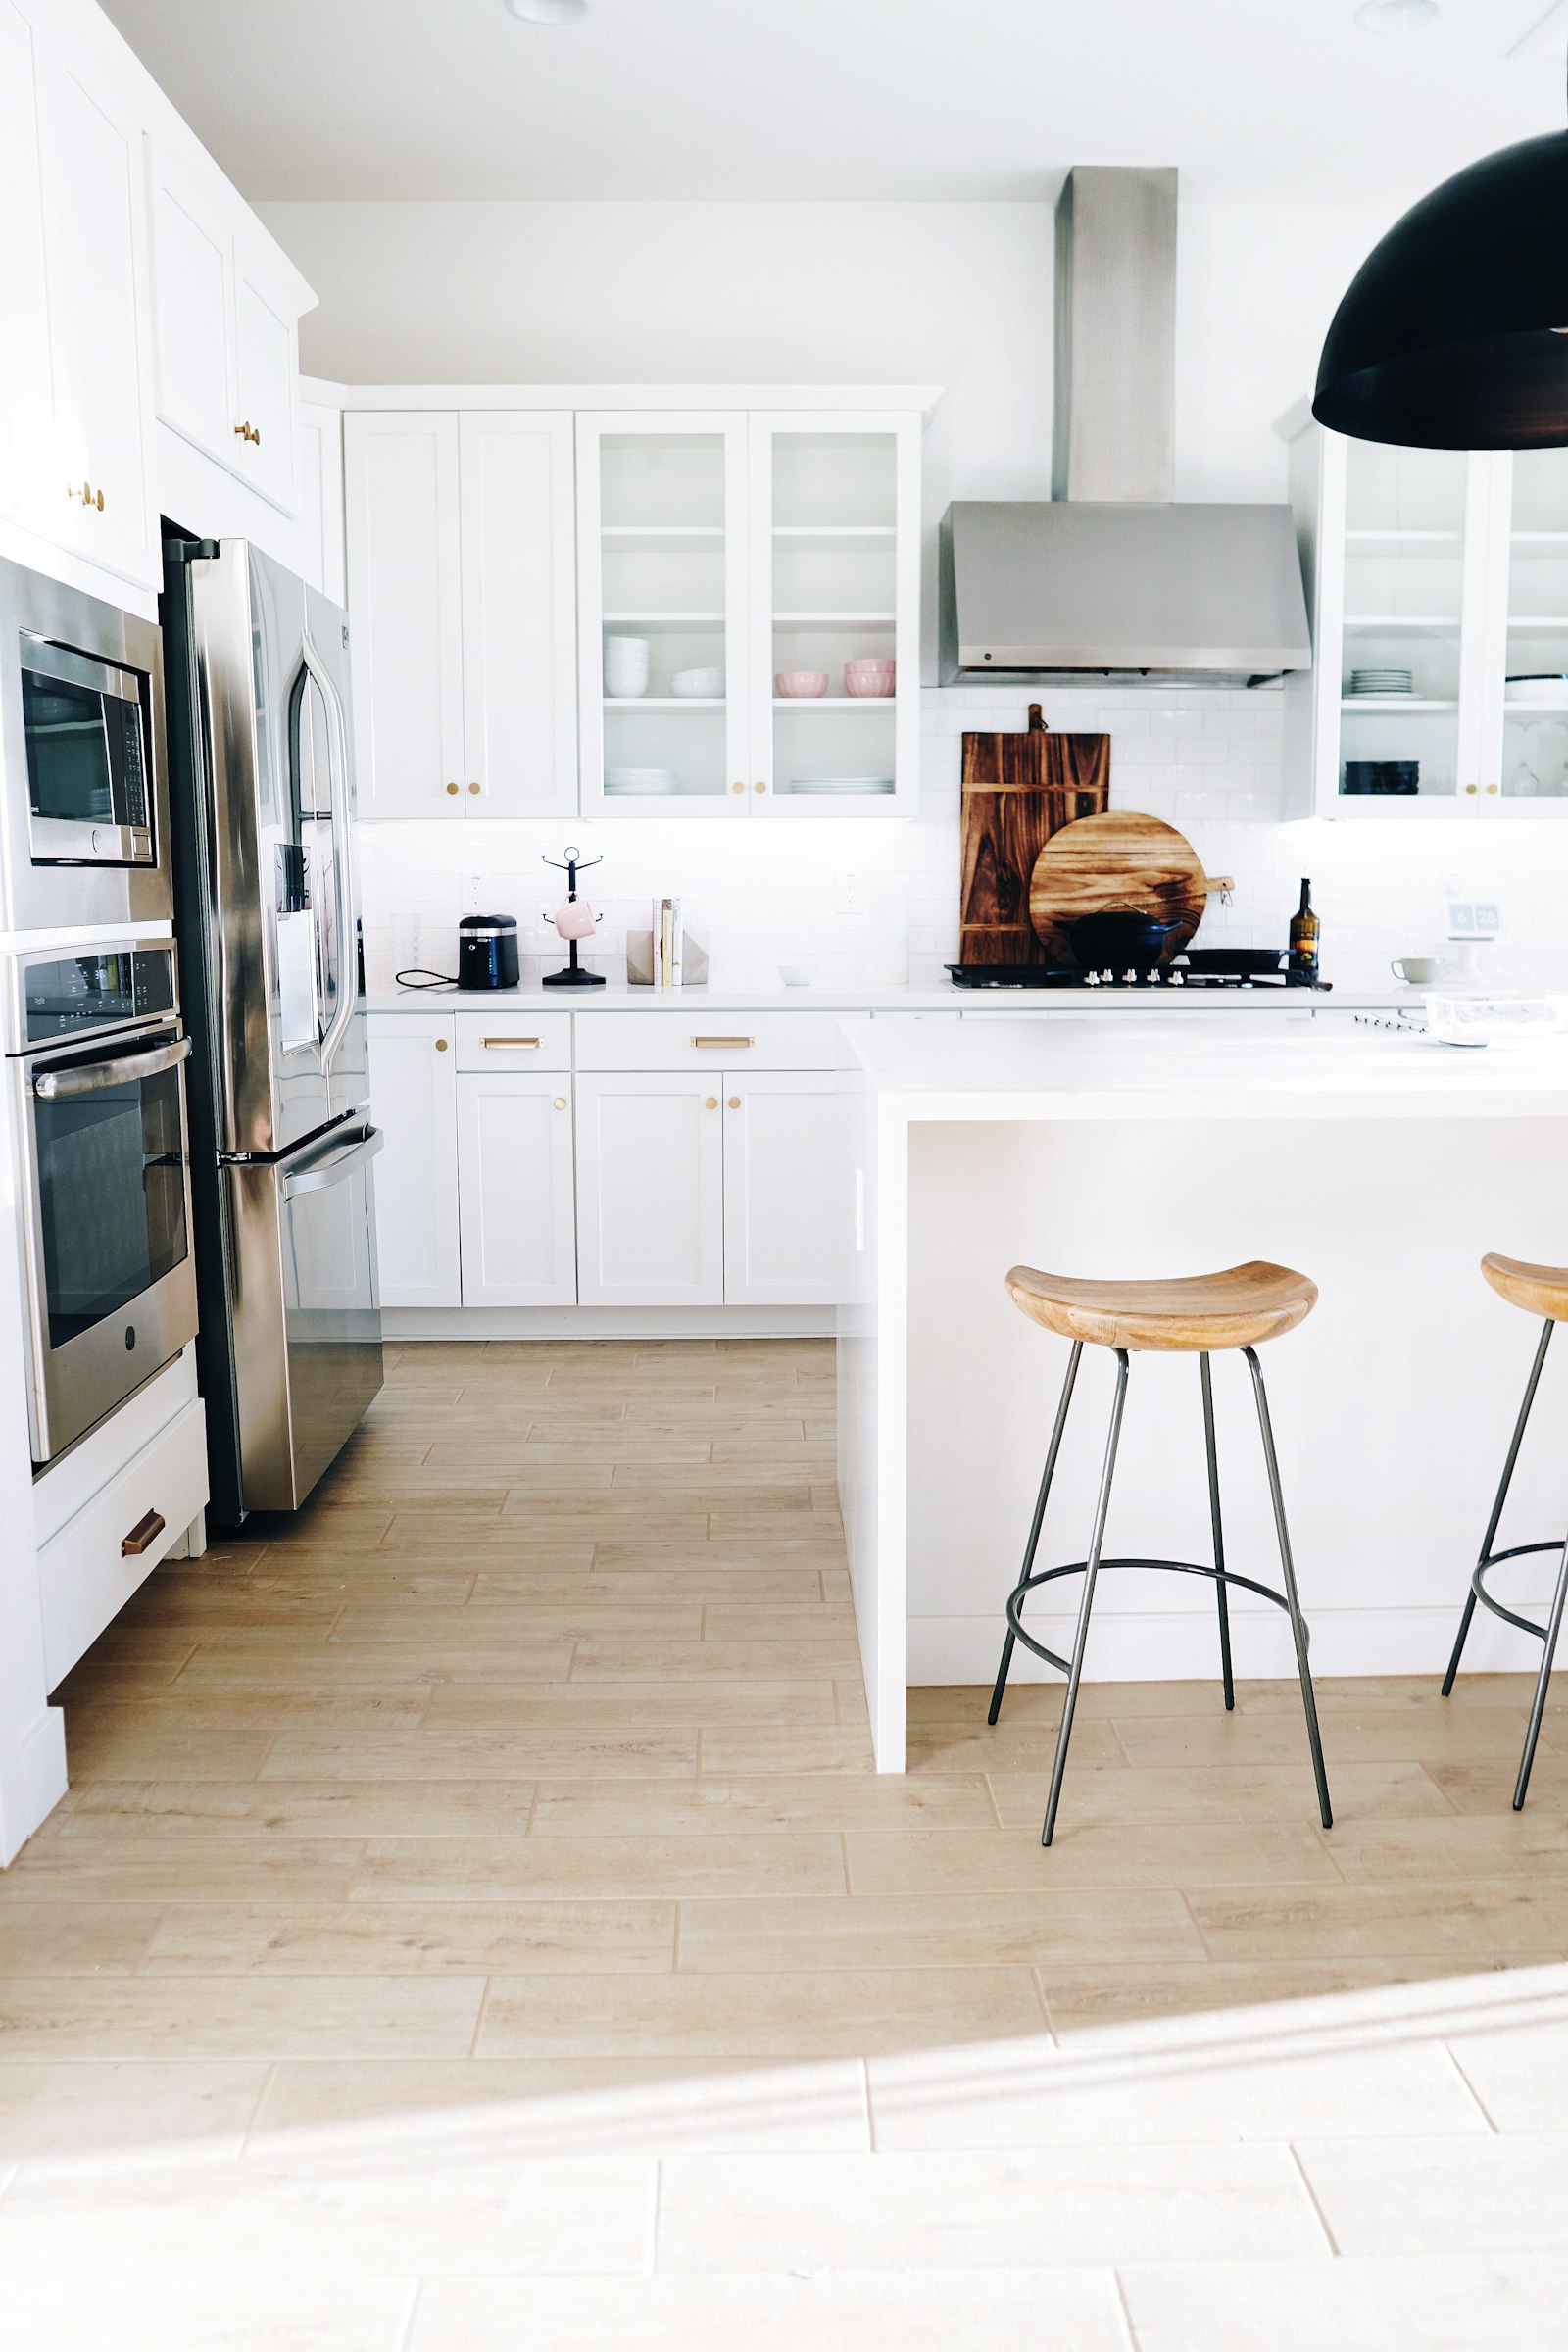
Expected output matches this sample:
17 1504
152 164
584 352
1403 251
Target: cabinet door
786 1190
649 1208
662 577
318 466
1524 763
405 606
265 371
31 489
190 223
834 533
520 700
515 1179
95 240
415 1093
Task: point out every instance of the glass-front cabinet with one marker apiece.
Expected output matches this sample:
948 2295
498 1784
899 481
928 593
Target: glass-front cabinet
1439 586
749 613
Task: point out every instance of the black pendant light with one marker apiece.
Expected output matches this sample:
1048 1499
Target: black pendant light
1454 331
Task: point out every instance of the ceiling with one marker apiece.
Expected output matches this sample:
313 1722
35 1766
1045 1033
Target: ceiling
952 99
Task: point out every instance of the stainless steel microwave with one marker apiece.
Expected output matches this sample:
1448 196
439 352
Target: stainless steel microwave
83 793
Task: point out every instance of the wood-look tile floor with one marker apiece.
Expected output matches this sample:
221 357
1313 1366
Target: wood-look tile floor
481 1879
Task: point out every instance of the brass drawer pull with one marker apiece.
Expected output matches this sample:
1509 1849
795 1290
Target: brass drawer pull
250 432
723 1041
513 1041
143 1534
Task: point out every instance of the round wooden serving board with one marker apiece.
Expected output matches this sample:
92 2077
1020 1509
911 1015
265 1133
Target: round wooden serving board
1120 860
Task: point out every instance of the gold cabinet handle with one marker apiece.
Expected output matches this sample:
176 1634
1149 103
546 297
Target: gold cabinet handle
759 787
734 1102
560 1101
1471 790
473 788
452 788
249 432
440 1045
1491 789
86 495
519 1041
737 788
147 1529
705 1042
711 1104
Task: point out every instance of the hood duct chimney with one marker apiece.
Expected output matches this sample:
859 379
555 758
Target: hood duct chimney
1116 404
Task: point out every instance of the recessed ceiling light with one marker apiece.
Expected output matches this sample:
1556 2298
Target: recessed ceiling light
548 12
1394 16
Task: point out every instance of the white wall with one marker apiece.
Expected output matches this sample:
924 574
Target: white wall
953 294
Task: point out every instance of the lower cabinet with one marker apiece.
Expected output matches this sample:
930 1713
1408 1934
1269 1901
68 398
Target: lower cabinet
414 1100
516 1215
649 1189
787 1219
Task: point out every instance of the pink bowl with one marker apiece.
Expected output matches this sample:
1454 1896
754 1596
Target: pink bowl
800 685
870 679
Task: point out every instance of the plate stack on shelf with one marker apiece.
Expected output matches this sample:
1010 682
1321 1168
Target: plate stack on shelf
841 784
1381 681
627 663
626 782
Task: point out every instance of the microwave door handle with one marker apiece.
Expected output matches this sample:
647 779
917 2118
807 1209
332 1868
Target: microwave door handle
322 1173
337 750
93 1077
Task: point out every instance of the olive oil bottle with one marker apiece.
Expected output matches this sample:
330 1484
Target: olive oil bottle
1302 963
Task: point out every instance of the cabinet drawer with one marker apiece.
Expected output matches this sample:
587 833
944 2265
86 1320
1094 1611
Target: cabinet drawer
85 1576
510 1038
701 1039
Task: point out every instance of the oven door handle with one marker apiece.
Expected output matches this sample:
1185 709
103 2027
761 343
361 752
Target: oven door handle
94 1077
322 1173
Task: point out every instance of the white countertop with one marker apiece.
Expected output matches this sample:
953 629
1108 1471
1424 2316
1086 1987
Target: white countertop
1072 1070
944 998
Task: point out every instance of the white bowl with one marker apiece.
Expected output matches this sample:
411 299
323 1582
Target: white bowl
797 975
706 685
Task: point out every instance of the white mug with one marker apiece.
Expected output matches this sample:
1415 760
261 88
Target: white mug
1417 971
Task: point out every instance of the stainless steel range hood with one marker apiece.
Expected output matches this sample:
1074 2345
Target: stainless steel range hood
1109 576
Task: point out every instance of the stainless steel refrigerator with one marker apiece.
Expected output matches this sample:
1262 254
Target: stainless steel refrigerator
282 1143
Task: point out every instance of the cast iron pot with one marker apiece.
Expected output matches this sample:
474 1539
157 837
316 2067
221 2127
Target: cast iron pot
1118 939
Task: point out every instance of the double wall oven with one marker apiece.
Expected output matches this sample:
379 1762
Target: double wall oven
95 1055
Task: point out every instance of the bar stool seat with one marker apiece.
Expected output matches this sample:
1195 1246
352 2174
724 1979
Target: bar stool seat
1539 1289
1192 1314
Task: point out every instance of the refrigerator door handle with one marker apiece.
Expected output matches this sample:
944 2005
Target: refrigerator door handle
338 765
322 1173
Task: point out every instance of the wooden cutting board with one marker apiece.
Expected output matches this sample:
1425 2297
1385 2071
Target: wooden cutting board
1118 859
1018 790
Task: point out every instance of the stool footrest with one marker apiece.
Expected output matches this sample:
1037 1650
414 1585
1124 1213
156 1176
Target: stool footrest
1224 1576
1488 1600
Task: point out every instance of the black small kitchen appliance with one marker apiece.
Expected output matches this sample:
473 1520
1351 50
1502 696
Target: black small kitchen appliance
487 950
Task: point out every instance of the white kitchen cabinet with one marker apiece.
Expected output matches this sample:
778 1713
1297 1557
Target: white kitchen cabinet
515 1179
319 474
787 1211
749 546
1451 566
414 1095
405 582
649 1190
267 309
27 470
95 247
460 576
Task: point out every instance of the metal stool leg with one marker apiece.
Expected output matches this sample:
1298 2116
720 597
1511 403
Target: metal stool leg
1091 1571
1490 1535
1293 1600
1219 1530
1543 1679
1027 1568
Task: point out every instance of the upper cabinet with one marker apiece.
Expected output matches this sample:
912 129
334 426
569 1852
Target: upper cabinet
1439 582
226 307
460 575
749 612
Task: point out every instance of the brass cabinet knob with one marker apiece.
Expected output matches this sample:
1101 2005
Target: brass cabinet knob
440 1045
560 1101
711 1104
452 788
1470 789
1491 789
85 496
250 432
473 788
737 788
759 787
734 1102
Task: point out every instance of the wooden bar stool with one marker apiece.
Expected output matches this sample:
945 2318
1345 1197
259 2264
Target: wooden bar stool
1540 1290
1195 1315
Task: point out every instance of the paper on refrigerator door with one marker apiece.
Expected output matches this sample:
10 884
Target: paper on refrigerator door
296 980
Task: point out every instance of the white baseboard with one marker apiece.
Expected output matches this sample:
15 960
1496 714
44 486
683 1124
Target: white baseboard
607 1323
41 1780
1182 1645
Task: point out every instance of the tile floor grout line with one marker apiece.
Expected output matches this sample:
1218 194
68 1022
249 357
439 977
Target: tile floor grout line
1457 2064
1294 2155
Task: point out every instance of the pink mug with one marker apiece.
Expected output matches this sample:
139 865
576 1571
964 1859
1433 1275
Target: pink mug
575 918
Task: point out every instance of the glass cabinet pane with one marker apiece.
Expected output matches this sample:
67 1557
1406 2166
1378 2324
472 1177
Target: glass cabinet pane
1405 564
664 567
1534 706
833 567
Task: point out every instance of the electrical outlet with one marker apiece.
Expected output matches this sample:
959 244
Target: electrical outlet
852 893
473 894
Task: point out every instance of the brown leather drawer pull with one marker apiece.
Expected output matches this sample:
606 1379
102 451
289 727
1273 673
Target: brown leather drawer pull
143 1534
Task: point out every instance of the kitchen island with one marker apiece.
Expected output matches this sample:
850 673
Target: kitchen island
1380 1164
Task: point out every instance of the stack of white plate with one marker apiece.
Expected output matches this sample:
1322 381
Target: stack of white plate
1382 681
625 781
698 685
626 660
841 784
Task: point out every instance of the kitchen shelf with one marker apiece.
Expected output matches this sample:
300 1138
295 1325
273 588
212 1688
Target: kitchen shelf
1391 624
1396 537
1395 702
834 702
834 530
1531 709
1537 620
1529 539
664 702
662 530
835 621
663 620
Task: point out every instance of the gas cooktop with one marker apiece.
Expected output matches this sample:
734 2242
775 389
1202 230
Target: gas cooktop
1036 975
